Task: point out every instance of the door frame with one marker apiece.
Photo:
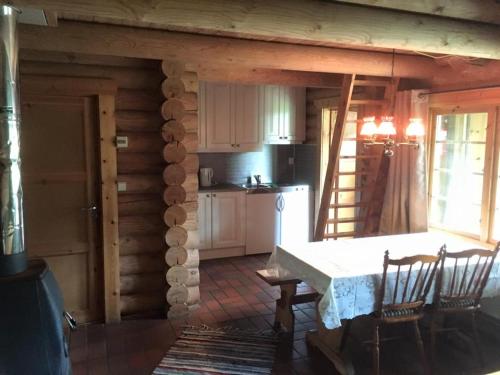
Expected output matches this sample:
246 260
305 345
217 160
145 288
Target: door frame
104 90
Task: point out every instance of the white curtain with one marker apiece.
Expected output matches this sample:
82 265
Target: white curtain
405 202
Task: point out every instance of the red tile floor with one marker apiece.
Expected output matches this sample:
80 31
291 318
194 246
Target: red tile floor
233 295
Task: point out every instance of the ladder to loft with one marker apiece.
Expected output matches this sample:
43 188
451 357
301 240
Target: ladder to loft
359 215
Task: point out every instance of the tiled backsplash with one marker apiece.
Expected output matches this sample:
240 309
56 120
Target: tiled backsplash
271 163
235 167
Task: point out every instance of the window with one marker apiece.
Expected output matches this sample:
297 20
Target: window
462 179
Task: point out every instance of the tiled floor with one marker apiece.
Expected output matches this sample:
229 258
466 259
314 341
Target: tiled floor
233 295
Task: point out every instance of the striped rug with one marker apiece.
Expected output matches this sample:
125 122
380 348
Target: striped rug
203 350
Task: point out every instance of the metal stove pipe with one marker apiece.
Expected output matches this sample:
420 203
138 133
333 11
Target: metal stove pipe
12 252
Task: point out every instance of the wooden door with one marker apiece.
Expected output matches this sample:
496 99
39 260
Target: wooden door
228 218
59 166
217 115
246 128
205 220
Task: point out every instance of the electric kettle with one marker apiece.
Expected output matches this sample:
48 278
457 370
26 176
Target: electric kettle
206 176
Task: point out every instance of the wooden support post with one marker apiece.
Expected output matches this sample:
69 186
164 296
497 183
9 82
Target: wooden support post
109 198
343 110
284 316
180 195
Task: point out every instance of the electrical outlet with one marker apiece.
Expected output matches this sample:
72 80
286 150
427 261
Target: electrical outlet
291 161
121 141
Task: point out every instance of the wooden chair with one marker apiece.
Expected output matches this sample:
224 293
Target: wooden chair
413 278
464 291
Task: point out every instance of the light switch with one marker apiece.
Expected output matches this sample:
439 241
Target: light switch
291 161
121 186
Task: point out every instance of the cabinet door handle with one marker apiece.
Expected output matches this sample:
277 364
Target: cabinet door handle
208 195
214 195
238 145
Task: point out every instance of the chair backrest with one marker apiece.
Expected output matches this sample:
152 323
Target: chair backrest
413 278
468 275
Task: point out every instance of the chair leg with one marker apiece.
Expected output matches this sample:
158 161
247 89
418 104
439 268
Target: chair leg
345 334
420 345
433 329
477 348
376 349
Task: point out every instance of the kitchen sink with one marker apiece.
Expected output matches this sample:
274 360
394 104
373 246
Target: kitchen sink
261 188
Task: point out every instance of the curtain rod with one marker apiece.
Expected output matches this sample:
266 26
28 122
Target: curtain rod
422 94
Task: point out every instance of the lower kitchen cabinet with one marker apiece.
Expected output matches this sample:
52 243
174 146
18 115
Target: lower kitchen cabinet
221 223
205 220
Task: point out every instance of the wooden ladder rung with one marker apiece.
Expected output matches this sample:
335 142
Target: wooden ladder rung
371 82
359 173
346 220
341 234
374 156
349 205
374 102
342 190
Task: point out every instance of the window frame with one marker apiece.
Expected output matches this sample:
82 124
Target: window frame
491 160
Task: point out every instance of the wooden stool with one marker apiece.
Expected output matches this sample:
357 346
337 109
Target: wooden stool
284 317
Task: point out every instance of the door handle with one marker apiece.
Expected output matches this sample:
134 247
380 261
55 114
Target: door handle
89 209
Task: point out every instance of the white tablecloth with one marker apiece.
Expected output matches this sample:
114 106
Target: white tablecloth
348 273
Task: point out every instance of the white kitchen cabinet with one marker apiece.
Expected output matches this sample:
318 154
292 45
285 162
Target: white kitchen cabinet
228 116
221 219
247 131
282 112
228 219
205 220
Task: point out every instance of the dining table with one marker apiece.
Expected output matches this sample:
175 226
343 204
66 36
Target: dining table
347 274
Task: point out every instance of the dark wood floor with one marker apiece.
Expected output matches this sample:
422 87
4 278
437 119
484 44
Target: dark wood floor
233 296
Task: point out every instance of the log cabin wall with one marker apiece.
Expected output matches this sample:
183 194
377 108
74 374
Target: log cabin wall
180 133
140 166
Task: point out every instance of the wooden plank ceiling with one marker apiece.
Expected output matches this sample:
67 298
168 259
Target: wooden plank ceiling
487 11
324 23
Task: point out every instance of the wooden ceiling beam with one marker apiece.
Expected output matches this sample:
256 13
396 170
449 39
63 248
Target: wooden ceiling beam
487 11
85 38
294 21
266 76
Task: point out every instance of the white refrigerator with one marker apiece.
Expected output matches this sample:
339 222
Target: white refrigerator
278 218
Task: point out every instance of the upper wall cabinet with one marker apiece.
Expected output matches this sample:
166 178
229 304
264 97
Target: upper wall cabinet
282 112
228 116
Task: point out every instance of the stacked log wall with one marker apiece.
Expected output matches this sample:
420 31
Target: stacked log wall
180 176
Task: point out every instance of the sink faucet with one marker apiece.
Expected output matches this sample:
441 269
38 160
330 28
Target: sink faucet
257 179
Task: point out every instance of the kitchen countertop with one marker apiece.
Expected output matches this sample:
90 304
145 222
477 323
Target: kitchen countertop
221 187
270 188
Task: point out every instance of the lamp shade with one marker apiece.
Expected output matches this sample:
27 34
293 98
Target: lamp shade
415 128
386 126
369 127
